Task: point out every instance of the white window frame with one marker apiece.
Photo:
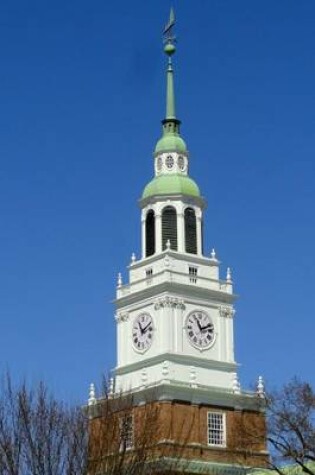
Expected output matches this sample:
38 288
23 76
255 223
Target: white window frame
126 439
221 431
193 274
149 275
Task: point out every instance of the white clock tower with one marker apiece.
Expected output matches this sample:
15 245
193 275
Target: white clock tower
175 315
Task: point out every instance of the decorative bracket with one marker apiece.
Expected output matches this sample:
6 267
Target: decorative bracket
122 317
227 311
170 302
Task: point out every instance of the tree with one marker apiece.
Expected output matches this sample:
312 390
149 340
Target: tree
38 434
290 430
291 426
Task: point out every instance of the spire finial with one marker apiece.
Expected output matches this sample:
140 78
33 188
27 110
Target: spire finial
169 49
169 37
261 387
92 398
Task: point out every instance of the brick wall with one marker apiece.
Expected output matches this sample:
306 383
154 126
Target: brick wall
179 430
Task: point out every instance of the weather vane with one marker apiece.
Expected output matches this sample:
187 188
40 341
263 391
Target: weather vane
169 37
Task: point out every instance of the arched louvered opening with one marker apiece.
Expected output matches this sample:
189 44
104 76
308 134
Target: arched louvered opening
190 231
150 233
169 227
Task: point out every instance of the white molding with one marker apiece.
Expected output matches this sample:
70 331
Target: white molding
190 200
182 289
187 360
182 256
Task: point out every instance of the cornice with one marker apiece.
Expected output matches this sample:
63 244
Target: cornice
180 256
201 396
199 201
217 296
187 360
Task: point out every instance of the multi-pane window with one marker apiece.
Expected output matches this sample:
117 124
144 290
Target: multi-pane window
216 429
193 274
149 274
126 432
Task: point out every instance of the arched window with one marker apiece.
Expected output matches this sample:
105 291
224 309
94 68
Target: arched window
169 227
150 233
190 231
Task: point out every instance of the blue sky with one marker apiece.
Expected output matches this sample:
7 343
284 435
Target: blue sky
82 96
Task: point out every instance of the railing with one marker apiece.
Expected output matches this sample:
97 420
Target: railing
167 275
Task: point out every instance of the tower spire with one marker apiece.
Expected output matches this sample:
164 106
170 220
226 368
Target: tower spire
171 162
169 49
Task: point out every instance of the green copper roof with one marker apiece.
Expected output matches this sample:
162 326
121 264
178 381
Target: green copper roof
171 185
170 143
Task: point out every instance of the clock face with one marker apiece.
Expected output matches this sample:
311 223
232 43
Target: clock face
169 162
142 332
200 330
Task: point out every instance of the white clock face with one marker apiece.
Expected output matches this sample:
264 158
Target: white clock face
169 162
142 332
200 330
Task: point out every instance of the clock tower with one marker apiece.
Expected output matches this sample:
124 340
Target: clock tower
175 314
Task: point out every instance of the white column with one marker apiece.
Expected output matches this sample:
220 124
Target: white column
143 240
180 232
199 233
118 340
222 338
230 324
158 232
171 328
178 328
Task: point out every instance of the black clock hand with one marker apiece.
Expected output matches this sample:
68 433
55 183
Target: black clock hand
146 327
207 326
199 326
141 329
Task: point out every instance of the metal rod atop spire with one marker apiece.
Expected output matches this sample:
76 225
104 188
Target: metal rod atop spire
169 49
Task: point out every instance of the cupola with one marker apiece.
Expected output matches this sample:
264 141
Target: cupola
171 154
